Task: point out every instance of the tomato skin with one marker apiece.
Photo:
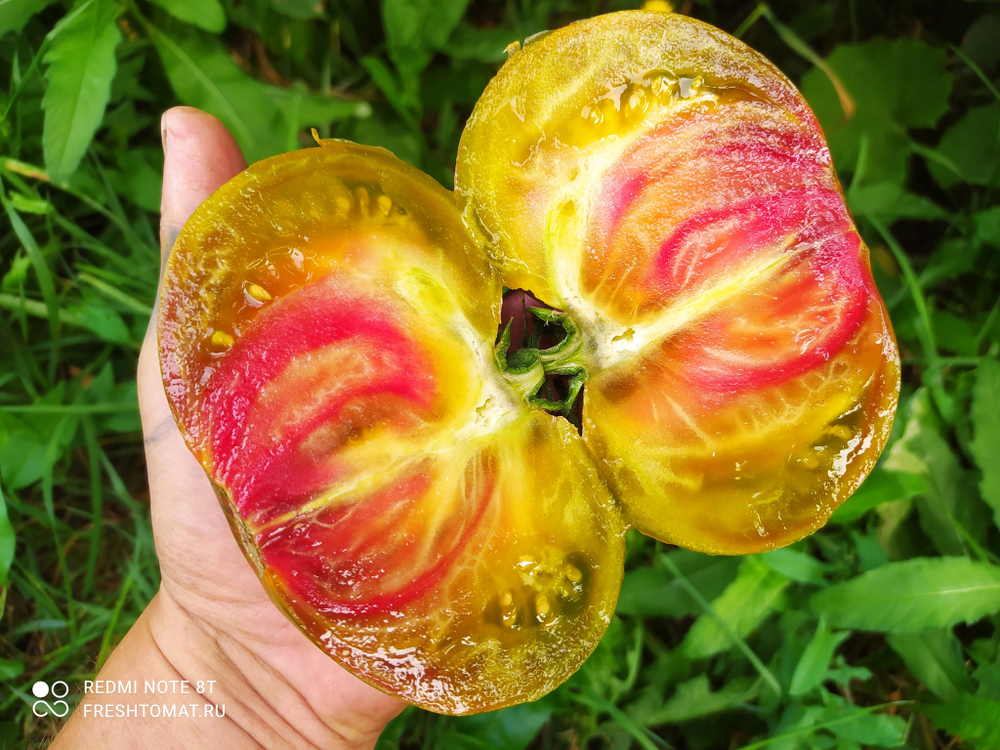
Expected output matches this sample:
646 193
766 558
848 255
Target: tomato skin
675 197
334 373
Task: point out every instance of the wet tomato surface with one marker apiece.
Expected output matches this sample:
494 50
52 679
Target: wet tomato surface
328 338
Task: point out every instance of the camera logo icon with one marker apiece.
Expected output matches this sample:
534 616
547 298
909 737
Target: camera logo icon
41 707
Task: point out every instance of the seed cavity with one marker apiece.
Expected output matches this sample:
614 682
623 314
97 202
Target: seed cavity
543 589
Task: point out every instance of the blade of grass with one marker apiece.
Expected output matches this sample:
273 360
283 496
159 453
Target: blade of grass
25 77
69 408
822 725
109 632
798 45
117 295
975 69
30 170
118 486
750 21
643 736
925 329
39 310
737 641
48 480
44 275
96 502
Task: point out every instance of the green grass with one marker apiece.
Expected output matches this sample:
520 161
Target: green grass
800 648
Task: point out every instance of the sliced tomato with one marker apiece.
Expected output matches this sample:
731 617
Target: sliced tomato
676 199
327 331
338 384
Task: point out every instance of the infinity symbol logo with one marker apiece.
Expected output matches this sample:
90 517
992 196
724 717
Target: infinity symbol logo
41 690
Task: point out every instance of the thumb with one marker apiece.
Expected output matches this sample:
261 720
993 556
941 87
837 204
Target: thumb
200 156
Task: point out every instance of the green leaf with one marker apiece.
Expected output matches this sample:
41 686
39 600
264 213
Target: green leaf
264 119
913 595
895 85
203 75
652 591
988 677
694 699
101 320
81 66
971 717
205 14
404 101
971 144
881 486
935 658
985 445
980 40
742 606
956 334
986 226
8 539
509 728
25 205
302 108
794 565
864 727
414 29
469 42
15 13
22 457
891 202
138 177
10 669
813 665
923 450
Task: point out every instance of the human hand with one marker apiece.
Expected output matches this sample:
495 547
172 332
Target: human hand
212 619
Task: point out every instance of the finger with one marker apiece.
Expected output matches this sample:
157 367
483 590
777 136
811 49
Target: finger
200 155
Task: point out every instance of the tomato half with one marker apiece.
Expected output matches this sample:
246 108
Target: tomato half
675 197
328 340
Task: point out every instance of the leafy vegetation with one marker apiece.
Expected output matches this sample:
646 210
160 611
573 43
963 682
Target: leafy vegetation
881 630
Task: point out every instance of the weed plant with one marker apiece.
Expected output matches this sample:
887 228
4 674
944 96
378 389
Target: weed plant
880 630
